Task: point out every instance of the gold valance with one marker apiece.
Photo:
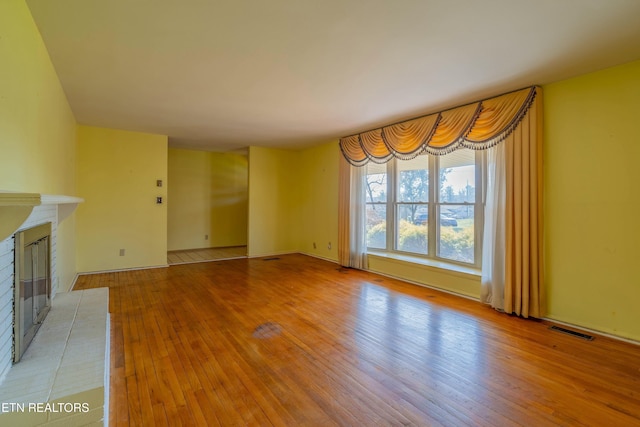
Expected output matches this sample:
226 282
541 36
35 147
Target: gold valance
478 126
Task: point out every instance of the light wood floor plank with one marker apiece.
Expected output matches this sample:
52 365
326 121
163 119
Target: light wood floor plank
300 341
189 256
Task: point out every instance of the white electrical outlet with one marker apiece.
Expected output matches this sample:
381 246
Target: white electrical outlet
329 246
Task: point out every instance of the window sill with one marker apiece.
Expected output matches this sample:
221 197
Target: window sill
442 265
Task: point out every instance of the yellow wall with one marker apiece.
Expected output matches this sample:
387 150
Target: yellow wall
117 173
37 127
592 201
273 201
207 196
293 201
318 198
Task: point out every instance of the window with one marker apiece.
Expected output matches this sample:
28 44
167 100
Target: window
404 196
376 200
412 206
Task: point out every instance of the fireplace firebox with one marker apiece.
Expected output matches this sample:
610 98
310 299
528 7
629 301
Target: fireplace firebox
32 298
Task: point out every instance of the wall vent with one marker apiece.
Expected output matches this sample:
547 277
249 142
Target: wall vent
572 333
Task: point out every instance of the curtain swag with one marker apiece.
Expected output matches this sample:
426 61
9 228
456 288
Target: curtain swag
478 126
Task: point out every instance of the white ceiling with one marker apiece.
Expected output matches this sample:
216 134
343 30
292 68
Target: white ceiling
221 75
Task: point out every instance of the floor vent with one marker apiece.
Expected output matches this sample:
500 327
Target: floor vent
572 333
270 259
342 270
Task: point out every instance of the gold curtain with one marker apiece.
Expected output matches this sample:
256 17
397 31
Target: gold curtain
452 126
374 147
344 217
500 115
477 126
523 288
352 150
406 138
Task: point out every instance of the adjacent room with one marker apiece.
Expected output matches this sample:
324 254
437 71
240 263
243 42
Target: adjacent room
319 213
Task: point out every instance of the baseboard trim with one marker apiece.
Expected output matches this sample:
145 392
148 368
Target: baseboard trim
272 254
319 257
151 267
205 248
205 260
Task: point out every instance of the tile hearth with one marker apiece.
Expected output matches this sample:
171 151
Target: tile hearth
67 362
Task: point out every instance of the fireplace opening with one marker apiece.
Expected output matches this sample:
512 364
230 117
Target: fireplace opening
32 299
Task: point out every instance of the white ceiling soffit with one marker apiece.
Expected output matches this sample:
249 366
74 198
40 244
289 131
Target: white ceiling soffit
219 75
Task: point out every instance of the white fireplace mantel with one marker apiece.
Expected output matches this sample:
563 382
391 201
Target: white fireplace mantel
15 208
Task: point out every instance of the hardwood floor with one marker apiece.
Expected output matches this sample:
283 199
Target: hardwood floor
299 341
207 254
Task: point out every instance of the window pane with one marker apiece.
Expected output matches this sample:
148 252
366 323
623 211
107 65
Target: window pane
376 198
412 228
456 233
413 180
458 177
376 226
376 185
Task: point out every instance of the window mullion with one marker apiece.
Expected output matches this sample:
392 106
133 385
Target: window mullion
478 223
391 204
433 188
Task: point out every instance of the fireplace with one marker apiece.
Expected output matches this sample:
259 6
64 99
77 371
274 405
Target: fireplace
32 298
20 212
